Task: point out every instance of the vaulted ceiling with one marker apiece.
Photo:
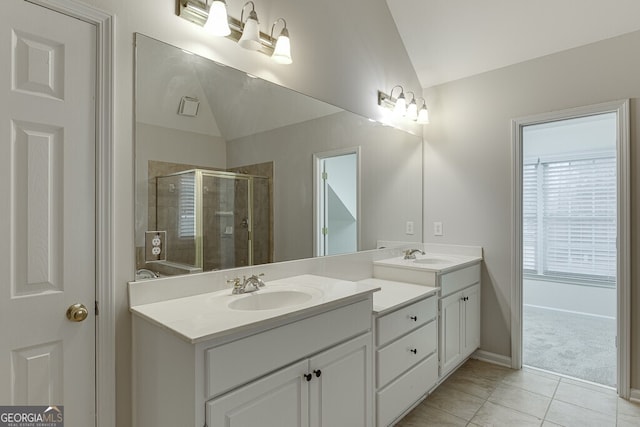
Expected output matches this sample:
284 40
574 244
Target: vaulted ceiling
452 39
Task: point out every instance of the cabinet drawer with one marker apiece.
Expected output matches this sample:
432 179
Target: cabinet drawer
238 362
398 396
459 279
398 323
399 356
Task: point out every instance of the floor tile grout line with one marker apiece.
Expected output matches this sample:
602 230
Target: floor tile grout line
527 390
518 410
588 385
452 414
506 407
551 402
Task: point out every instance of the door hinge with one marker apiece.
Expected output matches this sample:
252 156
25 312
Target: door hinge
95 308
325 176
325 231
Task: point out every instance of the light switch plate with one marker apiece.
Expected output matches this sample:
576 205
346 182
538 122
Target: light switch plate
437 228
155 246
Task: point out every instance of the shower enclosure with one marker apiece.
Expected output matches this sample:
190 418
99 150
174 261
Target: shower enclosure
214 219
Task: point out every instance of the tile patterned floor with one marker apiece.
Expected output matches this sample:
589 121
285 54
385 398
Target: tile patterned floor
483 394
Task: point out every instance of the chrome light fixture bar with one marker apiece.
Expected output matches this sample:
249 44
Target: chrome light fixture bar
197 11
401 108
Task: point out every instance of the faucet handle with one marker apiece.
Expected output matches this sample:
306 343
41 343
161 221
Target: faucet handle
235 282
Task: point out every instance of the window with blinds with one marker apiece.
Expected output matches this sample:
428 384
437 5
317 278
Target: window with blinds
187 207
569 219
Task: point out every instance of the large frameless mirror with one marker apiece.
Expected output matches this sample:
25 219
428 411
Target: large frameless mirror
233 170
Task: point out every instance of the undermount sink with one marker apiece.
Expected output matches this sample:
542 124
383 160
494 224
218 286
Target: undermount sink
261 300
433 260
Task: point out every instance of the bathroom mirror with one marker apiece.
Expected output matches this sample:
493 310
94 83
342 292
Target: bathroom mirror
229 170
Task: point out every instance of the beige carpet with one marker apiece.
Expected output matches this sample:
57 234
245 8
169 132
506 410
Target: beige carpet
577 345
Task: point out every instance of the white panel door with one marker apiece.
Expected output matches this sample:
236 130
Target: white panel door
47 218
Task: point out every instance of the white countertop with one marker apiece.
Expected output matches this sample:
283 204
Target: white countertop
432 262
396 294
207 316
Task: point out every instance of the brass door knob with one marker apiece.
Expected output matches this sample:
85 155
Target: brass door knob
77 312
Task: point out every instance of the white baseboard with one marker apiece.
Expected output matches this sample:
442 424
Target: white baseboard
496 359
634 395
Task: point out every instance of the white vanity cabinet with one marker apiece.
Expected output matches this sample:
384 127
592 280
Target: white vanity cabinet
459 316
313 371
328 389
406 357
459 307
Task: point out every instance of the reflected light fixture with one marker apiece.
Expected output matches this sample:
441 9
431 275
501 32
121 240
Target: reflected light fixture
218 21
250 33
400 108
412 108
423 114
282 49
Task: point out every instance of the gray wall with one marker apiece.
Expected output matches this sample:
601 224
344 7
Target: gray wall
391 173
339 56
468 159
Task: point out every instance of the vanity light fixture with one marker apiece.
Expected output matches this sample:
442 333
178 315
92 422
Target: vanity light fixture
250 33
282 49
412 108
400 108
218 21
213 14
423 113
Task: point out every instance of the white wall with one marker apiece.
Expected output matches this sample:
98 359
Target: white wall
468 158
593 300
343 53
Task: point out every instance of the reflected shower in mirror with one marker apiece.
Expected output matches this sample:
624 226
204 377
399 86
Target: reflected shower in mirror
227 169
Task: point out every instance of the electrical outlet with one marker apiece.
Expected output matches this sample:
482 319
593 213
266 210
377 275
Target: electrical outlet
155 245
409 227
437 228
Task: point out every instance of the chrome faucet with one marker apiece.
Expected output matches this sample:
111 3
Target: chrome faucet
411 253
241 288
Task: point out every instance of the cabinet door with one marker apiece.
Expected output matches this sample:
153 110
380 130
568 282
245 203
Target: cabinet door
341 391
451 323
278 400
471 319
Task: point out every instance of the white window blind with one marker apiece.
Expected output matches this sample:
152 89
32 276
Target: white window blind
573 204
187 207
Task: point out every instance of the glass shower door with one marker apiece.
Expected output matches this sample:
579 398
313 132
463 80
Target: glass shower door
225 221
